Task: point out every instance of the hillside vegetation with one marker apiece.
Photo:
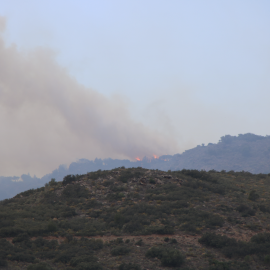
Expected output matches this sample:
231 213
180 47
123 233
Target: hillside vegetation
245 152
139 219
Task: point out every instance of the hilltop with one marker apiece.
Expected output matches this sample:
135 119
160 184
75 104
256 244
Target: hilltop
139 219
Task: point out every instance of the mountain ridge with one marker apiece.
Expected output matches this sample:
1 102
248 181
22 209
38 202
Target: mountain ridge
245 152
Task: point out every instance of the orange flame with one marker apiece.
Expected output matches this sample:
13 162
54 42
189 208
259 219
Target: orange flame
155 156
138 159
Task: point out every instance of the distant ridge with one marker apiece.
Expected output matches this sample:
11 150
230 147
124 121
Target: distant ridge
245 152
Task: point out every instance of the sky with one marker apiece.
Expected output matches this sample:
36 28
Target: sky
127 79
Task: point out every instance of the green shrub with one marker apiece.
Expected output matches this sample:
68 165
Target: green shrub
20 238
152 181
128 174
89 266
139 243
52 182
39 266
259 245
92 244
161 230
168 256
22 257
202 175
245 210
52 227
261 238
133 227
172 257
79 259
125 176
253 196
216 240
108 183
69 179
216 265
122 250
129 266
26 193
75 191
267 259
155 252
3 263
264 208
65 257
119 241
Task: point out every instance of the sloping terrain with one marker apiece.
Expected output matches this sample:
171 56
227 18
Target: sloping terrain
245 152
139 219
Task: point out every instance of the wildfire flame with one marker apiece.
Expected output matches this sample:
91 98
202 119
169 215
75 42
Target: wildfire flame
148 158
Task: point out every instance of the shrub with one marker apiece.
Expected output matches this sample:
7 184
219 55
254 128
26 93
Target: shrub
26 193
245 210
202 175
154 252
52 182
259 244
129 266
264 208
39 266
261 238
216 240
22 257
152 181
122 250
20 238
3 263
89 266
166 239
161 230
93 244
132 227
69 179
172 257
52 227
267 259
216 265
64 257
125 176
119 241
75 191
253 196
139 243
168 257
79 259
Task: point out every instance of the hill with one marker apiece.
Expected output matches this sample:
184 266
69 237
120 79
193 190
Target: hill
245 152
139 219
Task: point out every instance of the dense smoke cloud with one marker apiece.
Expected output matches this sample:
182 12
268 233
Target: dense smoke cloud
48 119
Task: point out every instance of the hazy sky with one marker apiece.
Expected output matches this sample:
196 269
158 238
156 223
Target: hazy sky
159 76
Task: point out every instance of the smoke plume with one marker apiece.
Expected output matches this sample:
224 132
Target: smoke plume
47 118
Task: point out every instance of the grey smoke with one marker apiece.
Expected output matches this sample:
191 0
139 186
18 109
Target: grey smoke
47 118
